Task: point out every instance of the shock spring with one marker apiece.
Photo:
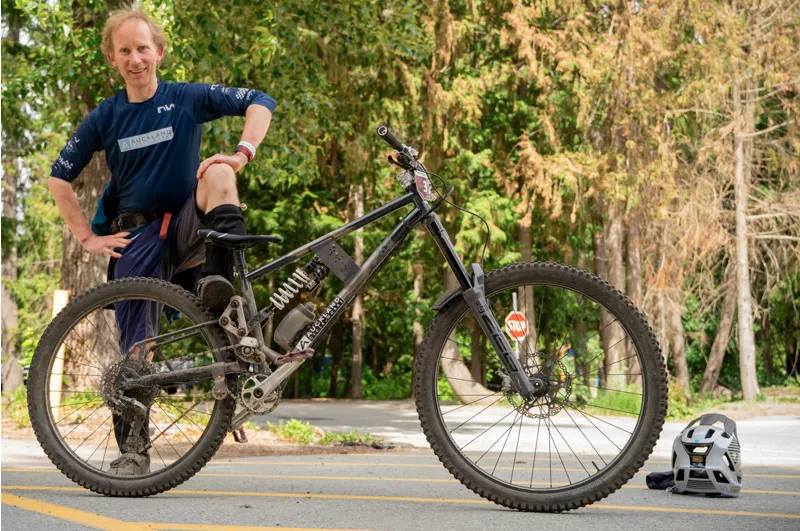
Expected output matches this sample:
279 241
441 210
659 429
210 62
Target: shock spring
289 289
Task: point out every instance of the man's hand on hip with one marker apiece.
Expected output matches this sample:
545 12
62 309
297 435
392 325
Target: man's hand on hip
106 244
235 161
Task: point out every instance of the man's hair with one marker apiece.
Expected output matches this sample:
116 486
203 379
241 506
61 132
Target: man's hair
134 11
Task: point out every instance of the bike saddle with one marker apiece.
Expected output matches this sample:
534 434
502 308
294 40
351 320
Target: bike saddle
236 241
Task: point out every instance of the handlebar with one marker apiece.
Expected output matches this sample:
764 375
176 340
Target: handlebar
386 134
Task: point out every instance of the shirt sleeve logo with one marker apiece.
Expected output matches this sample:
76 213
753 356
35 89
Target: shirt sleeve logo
166 108
147 139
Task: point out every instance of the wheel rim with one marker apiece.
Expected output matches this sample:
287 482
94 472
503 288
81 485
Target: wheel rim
571 436
90 364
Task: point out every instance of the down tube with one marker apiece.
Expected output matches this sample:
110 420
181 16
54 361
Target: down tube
371 267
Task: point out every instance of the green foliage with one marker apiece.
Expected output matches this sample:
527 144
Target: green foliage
293 430
17 408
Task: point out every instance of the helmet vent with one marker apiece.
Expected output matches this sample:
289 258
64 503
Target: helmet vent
719 477
679 477
710 433
689 435
728 462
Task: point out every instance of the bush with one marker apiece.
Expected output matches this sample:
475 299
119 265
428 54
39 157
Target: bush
17 408
293 430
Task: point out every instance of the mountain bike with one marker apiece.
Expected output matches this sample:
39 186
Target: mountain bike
551 409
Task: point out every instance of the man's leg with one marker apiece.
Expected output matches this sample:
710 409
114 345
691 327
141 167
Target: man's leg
218 200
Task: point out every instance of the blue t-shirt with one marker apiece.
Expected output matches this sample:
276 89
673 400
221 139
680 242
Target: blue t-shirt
152 147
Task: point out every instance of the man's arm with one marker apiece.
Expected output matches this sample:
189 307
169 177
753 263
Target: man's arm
256 124
70 210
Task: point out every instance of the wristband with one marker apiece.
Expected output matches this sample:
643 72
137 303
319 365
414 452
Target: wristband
248 149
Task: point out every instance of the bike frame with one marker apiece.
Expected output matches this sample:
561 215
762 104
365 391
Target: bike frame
422 213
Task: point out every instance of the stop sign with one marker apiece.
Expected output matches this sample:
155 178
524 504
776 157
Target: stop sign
517 326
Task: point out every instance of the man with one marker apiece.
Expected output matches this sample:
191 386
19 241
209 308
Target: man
160 193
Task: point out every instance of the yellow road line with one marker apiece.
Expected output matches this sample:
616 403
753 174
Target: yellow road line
103 522
438 465
427 454
211 527
460 501
69 514
372 478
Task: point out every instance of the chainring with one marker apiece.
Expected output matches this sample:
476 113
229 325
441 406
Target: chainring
259 405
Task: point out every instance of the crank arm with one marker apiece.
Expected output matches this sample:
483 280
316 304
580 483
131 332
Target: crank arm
162 379
479 304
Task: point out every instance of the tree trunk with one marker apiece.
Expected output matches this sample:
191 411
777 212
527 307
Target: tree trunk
616 344
715 359
526 294
12 371
605 320
356 391
418 331
477 357
466 389
678 341
743 117
336 353
634 287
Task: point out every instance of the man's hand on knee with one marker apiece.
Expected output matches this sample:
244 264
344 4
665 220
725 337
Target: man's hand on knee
236 161
106 244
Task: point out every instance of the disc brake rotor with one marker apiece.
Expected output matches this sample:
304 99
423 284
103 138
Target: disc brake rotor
559 381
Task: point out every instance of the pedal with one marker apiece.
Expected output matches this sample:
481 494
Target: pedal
295 356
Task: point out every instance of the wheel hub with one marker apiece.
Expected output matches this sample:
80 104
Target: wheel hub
552 386
116 374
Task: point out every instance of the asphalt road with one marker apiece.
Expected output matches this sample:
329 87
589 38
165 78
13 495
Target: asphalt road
400 490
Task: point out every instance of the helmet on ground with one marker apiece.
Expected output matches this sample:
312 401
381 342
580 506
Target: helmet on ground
706 457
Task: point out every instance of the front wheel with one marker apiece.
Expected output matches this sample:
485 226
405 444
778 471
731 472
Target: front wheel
583 438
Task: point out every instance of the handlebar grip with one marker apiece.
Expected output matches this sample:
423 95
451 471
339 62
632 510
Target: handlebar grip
385 133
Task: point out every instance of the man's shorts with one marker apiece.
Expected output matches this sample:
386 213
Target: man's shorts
174 258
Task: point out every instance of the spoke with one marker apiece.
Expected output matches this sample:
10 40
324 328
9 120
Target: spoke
79 357
168 442
108 436
173 422
506 441
564 341
601 431
492 394
76 404
550 439
81 423
487 429
156 447
618 361
568 446
603 407
606 351
535 450
516 450
585 437
563 465
607 389
88 436
188 417
476 414
176 423
508 430
468 403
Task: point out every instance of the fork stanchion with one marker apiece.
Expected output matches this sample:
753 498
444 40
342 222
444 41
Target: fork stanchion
60 299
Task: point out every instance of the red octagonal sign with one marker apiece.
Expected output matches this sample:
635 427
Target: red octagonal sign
517 326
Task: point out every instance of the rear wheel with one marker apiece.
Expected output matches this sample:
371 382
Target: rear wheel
82 419
581 440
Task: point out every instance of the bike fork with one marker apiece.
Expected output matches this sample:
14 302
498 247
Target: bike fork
475 295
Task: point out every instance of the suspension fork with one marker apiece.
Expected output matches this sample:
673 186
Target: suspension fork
475 295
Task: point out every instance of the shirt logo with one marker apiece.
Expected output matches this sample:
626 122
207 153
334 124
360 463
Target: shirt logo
165 107
147 139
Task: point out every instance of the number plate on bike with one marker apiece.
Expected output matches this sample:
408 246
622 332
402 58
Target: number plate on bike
424 186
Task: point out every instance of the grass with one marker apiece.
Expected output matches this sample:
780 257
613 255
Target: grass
17 408
303 432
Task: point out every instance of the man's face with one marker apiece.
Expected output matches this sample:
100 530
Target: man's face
135 55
